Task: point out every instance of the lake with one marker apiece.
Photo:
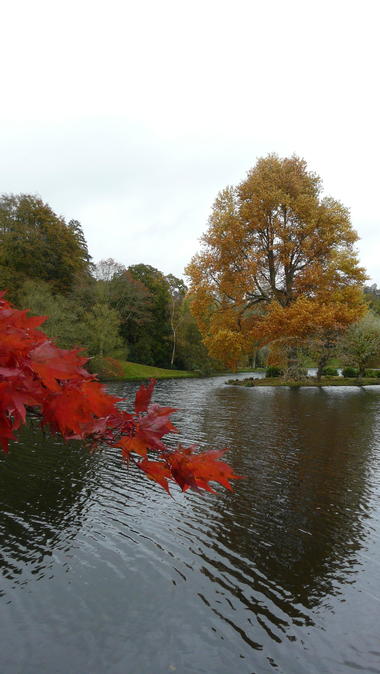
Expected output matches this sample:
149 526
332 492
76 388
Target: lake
102 572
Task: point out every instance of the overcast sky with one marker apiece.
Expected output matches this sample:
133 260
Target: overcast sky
131 116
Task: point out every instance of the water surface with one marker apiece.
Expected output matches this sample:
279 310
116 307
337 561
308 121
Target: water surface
103 572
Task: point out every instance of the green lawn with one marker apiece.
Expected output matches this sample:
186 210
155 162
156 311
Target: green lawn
136 371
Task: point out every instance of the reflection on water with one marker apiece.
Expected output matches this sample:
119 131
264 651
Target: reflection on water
43 494
103 572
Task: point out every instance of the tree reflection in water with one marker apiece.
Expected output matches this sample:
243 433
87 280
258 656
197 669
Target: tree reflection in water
299 517
44 486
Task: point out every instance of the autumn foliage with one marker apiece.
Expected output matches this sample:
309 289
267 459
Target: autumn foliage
277 262
35 374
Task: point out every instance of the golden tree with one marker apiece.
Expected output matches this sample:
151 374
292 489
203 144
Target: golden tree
277 262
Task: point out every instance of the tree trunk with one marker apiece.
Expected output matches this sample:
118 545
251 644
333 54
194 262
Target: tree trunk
292 370
174 345
321 364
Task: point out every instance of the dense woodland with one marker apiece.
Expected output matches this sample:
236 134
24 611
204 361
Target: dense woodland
131 313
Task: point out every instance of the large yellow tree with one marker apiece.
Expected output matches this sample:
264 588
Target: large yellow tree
277 262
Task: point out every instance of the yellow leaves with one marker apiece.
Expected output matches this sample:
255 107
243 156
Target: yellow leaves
278 355
276 261
226 345
307 316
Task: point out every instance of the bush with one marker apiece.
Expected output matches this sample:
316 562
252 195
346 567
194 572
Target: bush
350 372
106 368
372 373
330 372
274 371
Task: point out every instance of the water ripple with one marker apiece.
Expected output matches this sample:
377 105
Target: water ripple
101 571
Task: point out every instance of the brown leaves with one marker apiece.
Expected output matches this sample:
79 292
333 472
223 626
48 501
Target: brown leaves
273 243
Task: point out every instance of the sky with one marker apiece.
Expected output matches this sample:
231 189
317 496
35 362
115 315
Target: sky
131 116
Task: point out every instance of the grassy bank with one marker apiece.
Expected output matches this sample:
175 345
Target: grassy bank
138 371
310 381
119 370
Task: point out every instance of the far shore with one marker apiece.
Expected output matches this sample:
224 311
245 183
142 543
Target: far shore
308 381
109 370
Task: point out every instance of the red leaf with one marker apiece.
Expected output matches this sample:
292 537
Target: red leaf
77 408
10 371
136 443
197 470
157 471
52 364
143 396
101 403
153 426
12 409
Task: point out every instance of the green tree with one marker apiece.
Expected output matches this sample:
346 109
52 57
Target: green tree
35 243
322 347
132 300
191 351
156 342
63 323
116 287
101 330
372 297
76 228
361 342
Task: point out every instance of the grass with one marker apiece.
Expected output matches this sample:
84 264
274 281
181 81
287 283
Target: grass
138 372
311 381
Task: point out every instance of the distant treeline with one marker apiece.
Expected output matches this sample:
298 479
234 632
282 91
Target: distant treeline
135 313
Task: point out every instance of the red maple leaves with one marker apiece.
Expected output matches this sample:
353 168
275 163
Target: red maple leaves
35 373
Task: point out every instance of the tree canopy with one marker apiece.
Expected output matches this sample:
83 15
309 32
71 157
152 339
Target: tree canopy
35 243
156 341
277 261
361 342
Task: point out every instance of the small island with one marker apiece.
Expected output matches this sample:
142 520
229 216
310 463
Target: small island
306 381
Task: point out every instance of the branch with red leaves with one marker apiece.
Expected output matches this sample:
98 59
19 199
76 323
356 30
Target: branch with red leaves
36 374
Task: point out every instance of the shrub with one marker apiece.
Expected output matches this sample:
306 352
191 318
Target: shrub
372 373
273 371
350 372
330 372
106 368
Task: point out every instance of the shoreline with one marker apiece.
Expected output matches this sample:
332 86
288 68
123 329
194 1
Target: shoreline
325 381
